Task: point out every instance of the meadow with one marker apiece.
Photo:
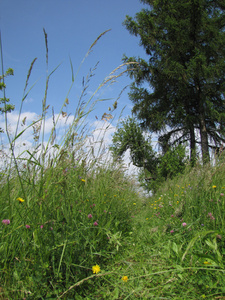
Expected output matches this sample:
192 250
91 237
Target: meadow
75 226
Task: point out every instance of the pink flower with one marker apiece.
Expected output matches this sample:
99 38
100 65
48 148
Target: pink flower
222 194
27 226
93 205
51 228
41 226
89 216
6 221
171 231
184 224
95 223
210 214
172 216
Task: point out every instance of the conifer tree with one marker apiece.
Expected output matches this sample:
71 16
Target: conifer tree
179 91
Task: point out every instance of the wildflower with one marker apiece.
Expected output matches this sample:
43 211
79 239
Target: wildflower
83 180
171 231
222 194
125 278
51 228
134 203
202 224
93 205
146 219
184 224
172 216
210 214
89 216
6 221
214 186
95 223
104 211
96 269
20 200
27 226
207 263
41 226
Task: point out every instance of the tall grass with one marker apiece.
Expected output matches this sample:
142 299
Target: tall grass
74 227
59 206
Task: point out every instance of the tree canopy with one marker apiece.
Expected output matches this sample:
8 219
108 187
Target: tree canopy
178 92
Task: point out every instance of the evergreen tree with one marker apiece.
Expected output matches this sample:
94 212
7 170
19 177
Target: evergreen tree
185 42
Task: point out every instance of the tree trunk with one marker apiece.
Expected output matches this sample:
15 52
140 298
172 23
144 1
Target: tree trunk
204 139
192 146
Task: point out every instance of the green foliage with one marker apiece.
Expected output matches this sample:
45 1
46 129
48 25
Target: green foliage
130 136
5 101
154 167
173 162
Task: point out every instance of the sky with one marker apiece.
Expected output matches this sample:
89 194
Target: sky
71 26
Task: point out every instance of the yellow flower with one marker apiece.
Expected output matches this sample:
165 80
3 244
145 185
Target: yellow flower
214 186
96 269
20 200
83 180
134 203
125 278
207 263
146 219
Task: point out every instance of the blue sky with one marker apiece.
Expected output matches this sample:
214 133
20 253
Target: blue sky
71 26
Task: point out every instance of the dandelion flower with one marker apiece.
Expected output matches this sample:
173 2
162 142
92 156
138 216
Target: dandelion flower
20 200
96 269
125 278
214 186
83 180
